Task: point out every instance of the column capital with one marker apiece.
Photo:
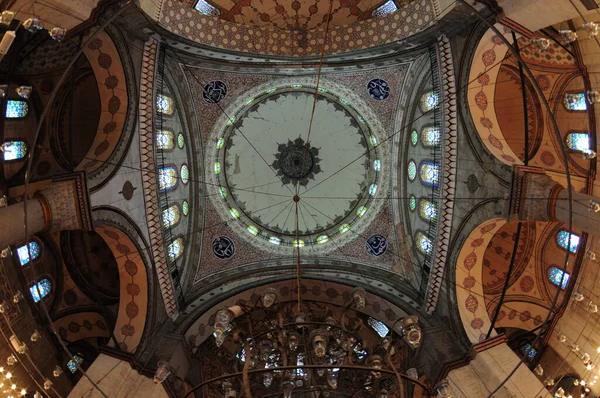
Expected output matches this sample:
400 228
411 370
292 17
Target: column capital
533 195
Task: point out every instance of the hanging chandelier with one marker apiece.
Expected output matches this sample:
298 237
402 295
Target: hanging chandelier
309 349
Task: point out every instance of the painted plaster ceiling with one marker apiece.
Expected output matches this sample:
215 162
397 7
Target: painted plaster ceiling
295 14
263 187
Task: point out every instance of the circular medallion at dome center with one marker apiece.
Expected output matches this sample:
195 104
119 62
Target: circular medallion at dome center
274 154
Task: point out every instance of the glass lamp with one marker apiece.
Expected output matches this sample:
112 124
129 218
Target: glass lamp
542 43
359 297
319 342
409 327
568 36
163 370
269 297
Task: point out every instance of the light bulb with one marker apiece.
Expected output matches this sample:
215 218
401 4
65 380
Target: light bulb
11 360
17 297
35 336
287 387
37 395
359 297
578 296
269 297
593 96
23 391
57 371
219 337
47 384
3 307
6 17
549 382
589 366
293 340
542 43
539 370
268 379
592 28
332 379
33 24
568 36
561 337
13 387
8 375
22 349
24 91
58 33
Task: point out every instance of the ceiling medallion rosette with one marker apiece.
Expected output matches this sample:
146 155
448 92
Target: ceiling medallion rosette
268 163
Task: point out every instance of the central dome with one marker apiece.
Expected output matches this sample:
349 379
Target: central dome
296 163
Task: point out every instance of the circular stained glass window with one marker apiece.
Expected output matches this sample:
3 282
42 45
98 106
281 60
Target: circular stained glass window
414 137
185 174
412 170
412 203
185 207
180 140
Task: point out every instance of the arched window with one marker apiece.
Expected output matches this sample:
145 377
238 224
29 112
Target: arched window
16 109
207 9
167 177
528 351
385 8
180 140
175 249
427 210
424 244
185 174
412 202
185 207
24 254
412 170
429 101
430 136
575 102
562 238
171 216
414 137
77 360
556 276
430 173
578 141
14 150
165 140
40 289
164 104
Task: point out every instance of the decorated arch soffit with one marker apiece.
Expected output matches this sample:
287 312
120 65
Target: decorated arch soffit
82 325
182 19
230 238
311 290
133 304
107 66
469 289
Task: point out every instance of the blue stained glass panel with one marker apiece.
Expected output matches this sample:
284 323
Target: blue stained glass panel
380 327
430 136
40 290
23 254
171 216
384 9
185 174
167 177
424 244
575 102
427 210
429 101
14 150
578 141
16 109
76 360
175 249
165 140
414 137
528 351
562 238
430 173
164 104
556 276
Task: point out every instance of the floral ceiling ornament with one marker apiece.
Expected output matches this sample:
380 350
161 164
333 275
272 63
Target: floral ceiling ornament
297 162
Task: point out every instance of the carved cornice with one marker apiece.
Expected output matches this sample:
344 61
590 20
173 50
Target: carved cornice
148 170
448 182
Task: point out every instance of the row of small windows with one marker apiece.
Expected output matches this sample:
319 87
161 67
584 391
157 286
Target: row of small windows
429 173
167 177
15 150
557 276
165 140
430 136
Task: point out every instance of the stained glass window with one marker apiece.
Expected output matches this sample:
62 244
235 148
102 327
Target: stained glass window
575 102
385 8
377 165
562 238
77 359
578 141
14 150
427 210
412 170
430 173
556 276
185 207
171 216
165 140
180 140
34 249
378 326
430 136
164 104
414 137
528 351
424 244
40 289
412 202
429 101
207 9
185 174
175 249
167 177
16 109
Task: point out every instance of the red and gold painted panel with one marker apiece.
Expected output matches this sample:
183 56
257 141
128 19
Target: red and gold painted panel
133 304
82 325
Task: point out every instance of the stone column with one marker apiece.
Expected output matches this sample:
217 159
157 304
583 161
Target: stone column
62 205
535 196
489 368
